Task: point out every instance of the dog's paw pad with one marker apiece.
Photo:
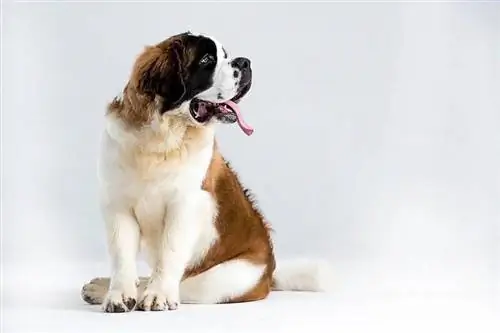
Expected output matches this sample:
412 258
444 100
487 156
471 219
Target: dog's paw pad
130 303
173 306
116 302
154 301
115 308
158 304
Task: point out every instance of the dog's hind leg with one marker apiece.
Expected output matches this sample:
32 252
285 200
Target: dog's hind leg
94 291
233 281
237 280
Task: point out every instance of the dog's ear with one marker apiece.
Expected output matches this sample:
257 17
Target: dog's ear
159 71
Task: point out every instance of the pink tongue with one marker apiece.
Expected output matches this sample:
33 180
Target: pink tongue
243 125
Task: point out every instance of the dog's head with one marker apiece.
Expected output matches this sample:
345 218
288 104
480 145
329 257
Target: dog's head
195 76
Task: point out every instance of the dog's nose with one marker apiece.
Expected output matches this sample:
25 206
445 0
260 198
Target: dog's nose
241 63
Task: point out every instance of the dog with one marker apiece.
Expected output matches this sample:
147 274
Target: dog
166 190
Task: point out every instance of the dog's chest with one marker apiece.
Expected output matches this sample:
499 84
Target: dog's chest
161 193
149 181
151 198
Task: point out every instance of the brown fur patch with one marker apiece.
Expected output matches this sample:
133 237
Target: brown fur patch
243 233
164 60
133 109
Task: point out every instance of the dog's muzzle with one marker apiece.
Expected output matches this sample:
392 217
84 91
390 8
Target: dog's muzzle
227 112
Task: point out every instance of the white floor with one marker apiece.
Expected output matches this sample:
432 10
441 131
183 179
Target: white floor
50 302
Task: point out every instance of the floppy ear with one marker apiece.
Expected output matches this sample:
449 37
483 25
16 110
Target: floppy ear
158 71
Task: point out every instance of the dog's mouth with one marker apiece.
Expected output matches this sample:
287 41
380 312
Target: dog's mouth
226 112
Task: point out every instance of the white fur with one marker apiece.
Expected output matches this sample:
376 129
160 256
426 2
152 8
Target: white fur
233 278
163 199
222 282
303 275
123 239
151 198
225 85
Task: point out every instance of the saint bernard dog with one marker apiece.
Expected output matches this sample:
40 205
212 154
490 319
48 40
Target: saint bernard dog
166 189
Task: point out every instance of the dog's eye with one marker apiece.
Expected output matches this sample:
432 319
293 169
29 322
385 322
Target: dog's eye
207 59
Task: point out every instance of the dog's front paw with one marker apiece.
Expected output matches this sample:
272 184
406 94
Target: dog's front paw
120 300
156 299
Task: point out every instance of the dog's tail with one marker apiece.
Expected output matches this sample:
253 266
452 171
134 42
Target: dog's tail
295 275
302 275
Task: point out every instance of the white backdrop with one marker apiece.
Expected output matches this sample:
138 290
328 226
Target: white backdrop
376 146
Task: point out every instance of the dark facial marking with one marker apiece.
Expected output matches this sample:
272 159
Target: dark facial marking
159 72
199 73
225 53
244 66
178 69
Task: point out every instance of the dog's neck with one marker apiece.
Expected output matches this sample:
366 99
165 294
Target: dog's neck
134 109
134 122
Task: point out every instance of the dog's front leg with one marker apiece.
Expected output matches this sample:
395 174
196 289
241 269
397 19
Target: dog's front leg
123 244
186 216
